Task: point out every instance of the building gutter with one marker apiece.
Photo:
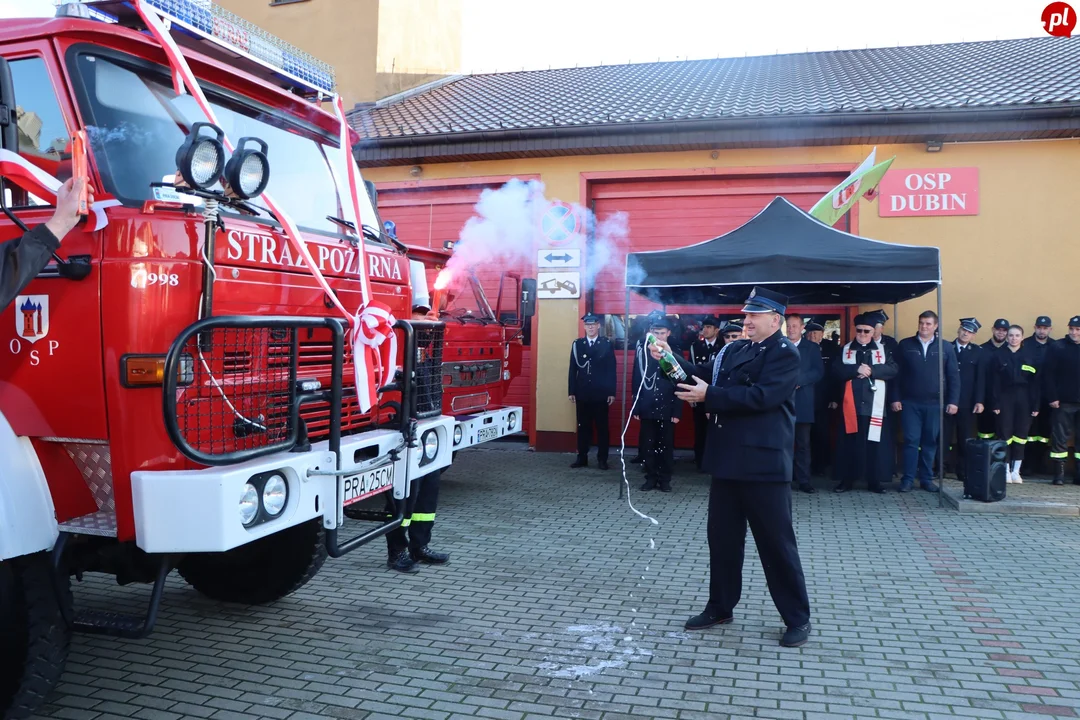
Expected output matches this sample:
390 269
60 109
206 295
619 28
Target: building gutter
1061 120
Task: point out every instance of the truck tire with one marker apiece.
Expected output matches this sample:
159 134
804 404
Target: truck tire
34 637
262 571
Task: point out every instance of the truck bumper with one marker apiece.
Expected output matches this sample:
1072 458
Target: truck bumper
477 428
199 510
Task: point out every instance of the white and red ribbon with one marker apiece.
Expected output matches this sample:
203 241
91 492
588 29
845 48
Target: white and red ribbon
37 182
372 325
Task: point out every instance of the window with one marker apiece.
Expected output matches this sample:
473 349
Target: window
43 135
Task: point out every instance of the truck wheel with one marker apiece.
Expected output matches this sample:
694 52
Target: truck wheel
262 571
34 638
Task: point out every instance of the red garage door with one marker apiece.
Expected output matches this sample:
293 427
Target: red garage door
670 213
432 214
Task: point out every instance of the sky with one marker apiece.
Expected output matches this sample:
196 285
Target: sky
503 36
506 36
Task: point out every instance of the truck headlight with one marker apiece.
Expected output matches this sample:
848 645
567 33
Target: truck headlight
248 171
275 495
201 158
431 445
457 434
249 504
512 420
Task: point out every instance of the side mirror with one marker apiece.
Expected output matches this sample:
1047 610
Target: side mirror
528 297
9 121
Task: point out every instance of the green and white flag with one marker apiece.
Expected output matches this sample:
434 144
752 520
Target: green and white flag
863 181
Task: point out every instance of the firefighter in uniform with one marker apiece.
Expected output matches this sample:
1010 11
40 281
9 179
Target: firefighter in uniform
702 352
592 390
731 332
22 259
1061 385
985 423
972 358
749 392
1014 396
407 545
1036 454
657 409
819 433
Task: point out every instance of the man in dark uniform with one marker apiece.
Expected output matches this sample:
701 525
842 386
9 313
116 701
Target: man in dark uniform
864 446
819 431
811 370
972 358
731 332
1037 451
702 352
750 393
592 390
985 422
1061 386
22 259
656 408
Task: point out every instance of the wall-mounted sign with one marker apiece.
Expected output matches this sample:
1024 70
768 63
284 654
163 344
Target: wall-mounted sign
933 192
558 258
558 285
560 224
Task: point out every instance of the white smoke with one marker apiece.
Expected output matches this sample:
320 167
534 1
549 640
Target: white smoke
506 232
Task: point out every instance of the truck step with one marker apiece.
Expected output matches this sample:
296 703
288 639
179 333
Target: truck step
101 523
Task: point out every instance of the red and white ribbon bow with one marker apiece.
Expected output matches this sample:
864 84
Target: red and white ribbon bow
371 322
37 182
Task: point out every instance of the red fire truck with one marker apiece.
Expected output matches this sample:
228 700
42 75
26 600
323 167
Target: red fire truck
176 389
483 344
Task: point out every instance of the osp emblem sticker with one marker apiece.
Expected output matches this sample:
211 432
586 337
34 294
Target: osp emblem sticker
32 317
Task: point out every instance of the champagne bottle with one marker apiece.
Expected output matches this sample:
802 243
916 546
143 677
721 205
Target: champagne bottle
668 363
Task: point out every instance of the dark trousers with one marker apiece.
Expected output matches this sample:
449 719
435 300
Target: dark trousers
415 531
866 460
592 414
657 444
766 506
701 427
921 424
958 429
1066 422
802 453
1014 420
820 440
1040 434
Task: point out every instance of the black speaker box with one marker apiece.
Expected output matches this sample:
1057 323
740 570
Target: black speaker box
987 467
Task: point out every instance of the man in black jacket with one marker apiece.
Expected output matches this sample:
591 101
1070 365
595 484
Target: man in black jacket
1036 451
811 369
22 259
592 390
915 395
750 397
985 422
819 433
657 408
702 352
972 359
1061 386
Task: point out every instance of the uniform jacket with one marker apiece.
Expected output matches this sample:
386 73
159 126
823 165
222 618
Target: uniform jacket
1010 370
1038 352
752 404
862 390
702 354
811 370
988 377
656 400
21 260
972 362
1061 380
592 370
917 381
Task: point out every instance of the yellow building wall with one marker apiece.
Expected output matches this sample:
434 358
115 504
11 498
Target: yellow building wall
377 47
1016 259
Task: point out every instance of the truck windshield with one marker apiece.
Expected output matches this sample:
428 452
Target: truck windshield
470 303
136 122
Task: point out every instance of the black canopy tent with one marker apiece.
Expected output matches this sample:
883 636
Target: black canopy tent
787 250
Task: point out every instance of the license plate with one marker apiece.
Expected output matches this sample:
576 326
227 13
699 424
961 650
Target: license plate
368 483
488 433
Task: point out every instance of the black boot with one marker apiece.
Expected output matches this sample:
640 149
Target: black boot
665 485
649 484
429 557
580 463
402 562
1059 472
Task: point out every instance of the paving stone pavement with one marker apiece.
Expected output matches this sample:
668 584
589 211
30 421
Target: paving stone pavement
556 604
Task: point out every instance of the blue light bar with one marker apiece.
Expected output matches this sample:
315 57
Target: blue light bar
211 22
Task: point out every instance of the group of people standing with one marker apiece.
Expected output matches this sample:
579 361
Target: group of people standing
873 393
